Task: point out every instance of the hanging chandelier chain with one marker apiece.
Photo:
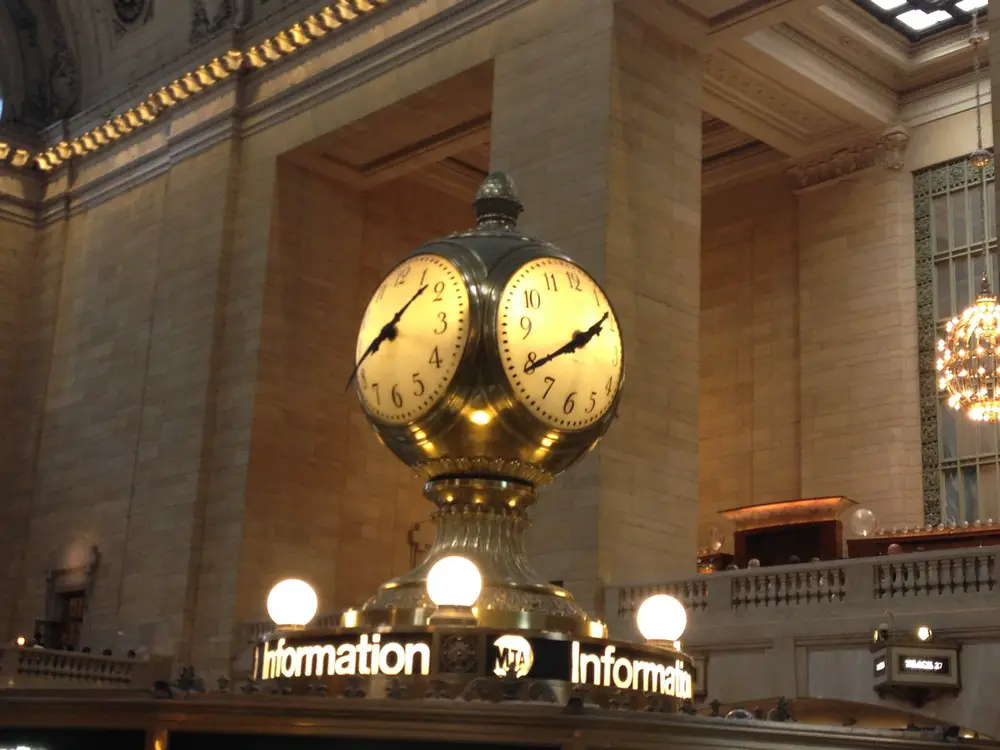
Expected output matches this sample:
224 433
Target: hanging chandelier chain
975 39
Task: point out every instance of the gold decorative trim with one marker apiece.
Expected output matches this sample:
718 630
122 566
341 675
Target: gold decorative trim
191 85
887 150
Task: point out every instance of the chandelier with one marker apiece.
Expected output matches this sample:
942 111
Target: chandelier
970 350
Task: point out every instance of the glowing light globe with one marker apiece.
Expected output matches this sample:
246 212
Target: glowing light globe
863 522
968 357
292 603
454 582
924 633
661 618
980 158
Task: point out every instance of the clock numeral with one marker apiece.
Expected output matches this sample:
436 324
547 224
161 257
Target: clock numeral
397 397
362 381
609 386
574 281
550 282
378 398
614 356
438 291
529 366
593 403
550 381
569 404
597 298
525 326
401 276
443 322
420 388
532 299
436 359
423 277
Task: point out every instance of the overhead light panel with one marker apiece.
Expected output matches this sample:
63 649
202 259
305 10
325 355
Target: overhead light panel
969 5
888 4
918 20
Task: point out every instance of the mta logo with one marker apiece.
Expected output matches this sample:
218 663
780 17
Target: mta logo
514 656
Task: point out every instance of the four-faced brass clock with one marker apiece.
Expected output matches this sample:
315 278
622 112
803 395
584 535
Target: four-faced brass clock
489 353
412 338
559 343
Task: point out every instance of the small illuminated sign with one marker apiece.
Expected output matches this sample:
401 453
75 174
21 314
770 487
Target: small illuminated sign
880 667
508 656
361 655
610 668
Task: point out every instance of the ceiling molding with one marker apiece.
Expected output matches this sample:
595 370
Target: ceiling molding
752 162
764 108
755 15
944 100
795 61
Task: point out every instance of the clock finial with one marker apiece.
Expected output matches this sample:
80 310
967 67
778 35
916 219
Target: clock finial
496 203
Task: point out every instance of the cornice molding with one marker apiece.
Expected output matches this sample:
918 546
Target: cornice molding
887 150
417 40
191 85
944 100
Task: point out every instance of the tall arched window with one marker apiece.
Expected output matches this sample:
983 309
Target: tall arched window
961 458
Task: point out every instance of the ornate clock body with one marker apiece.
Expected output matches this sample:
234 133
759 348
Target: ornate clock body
520 377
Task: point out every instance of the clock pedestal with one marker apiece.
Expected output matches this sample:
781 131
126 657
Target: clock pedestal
483 520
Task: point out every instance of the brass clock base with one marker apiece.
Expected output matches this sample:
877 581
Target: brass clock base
483 520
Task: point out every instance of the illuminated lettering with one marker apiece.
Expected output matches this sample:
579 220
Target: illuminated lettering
369 656
923 665
609 670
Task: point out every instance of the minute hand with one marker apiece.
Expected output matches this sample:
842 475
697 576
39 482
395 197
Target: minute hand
388 333
578 341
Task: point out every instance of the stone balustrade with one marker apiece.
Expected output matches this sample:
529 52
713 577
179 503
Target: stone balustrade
39 668
918 583
806 630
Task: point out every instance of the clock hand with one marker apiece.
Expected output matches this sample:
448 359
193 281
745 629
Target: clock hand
388 333
578 341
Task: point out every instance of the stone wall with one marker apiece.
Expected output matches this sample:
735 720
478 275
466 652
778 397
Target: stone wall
325 500
809 351
749 401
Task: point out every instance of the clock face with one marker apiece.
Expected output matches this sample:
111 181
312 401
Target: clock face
428 301
559 343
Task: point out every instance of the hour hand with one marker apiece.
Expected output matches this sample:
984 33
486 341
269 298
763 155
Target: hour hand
579 340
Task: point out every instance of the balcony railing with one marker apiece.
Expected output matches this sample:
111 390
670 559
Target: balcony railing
41 668
922 582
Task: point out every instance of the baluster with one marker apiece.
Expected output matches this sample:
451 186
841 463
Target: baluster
985 572
968 573
948 574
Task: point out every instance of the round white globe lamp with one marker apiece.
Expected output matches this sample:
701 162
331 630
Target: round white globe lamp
454 584
292 604
661 619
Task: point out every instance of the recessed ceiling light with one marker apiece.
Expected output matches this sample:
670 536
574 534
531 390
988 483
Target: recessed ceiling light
887 4
970 5
919 21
